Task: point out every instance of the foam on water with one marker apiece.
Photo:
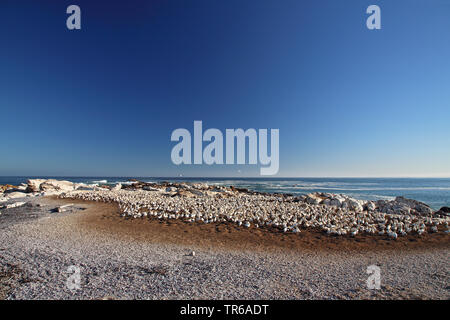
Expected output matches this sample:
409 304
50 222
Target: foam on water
100 181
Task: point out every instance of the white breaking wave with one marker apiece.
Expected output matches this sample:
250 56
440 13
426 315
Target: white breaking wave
100 181
363 196
124 182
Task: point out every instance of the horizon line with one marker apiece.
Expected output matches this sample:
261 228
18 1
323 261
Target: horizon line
229 177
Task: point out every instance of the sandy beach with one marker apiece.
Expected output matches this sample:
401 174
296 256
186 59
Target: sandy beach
149 258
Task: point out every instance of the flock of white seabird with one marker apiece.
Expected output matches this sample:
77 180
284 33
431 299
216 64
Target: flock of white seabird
334 214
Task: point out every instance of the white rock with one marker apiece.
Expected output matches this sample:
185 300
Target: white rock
15 195
14 205
117 187
57 185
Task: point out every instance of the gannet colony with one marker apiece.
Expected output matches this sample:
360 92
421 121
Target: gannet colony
197 202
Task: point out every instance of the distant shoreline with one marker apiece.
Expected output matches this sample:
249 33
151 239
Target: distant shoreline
223 178
432 191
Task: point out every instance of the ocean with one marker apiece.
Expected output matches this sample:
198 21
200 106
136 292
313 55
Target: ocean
433 191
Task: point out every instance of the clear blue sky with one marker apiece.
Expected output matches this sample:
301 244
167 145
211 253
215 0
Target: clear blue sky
104 100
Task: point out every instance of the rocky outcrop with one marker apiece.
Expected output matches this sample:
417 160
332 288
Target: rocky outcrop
338 201
137 185
57 185
403 205
444 212
34 185
53 186
445 209
400 205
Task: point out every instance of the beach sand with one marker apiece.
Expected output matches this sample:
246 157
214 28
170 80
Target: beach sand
105 219
126 258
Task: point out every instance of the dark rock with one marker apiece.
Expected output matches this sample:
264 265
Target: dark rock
445 209
442 213
244 190
418 207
